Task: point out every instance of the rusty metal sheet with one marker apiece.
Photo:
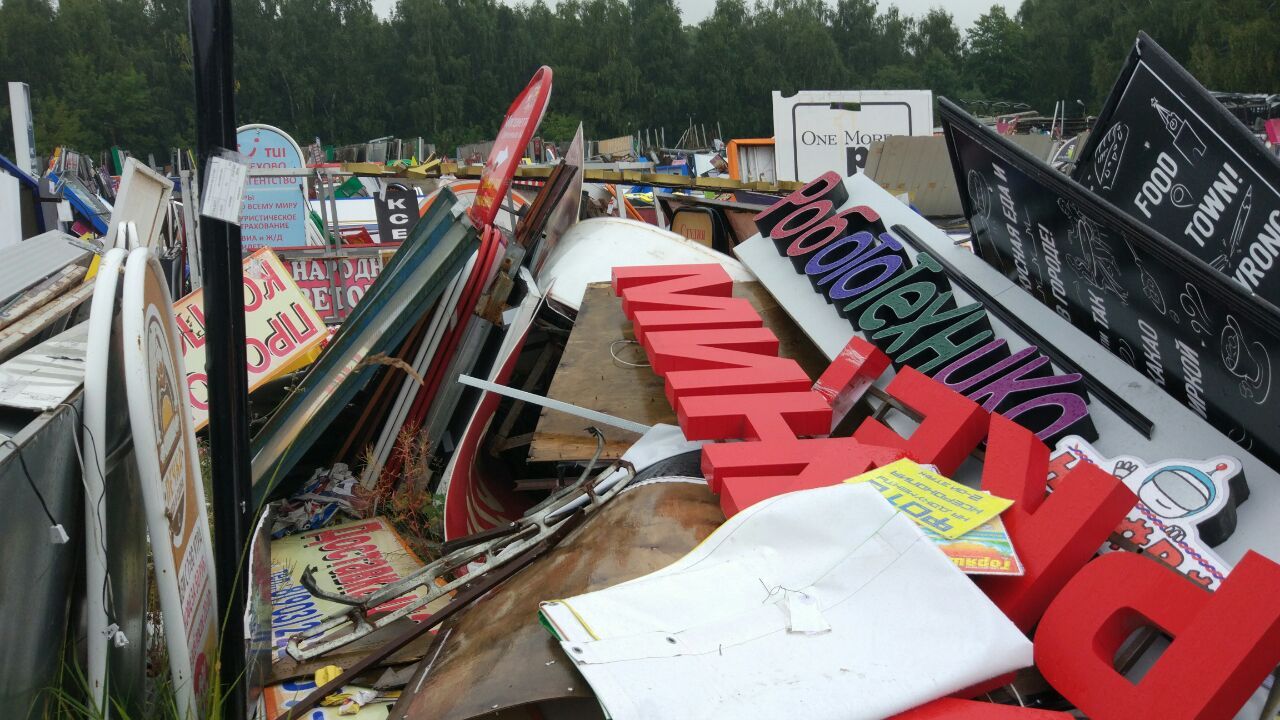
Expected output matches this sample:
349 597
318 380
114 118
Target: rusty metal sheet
497 657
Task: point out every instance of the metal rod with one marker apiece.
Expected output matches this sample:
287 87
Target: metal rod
335 242
547 402
223 275
332 268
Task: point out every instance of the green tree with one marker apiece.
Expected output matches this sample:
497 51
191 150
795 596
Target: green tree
448 69
1237 46
997 52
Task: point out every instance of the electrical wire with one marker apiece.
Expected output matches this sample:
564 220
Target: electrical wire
99 505
619 360
30 481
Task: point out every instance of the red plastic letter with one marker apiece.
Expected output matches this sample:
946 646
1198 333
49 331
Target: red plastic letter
1055 537
1224 643
748 472
756 416
681 297
827 188
706 349
952 427
723 362
849 376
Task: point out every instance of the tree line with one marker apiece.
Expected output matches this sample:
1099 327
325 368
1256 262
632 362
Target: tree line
118 72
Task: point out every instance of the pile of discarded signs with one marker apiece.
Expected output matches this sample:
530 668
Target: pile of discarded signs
835 464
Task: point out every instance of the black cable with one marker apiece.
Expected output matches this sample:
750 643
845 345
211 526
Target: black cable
30 481
108 598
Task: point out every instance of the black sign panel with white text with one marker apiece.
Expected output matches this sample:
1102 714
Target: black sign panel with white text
1201 337
1171 156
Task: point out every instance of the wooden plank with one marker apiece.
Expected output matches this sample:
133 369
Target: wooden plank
41 294
589 376
14 337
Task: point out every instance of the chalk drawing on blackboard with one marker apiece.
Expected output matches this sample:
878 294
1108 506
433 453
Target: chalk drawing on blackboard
1239 436
1185 140
1248 360
1231 247
980 194
1110 153
1181 197
1125 351
1094 262
1152 290
1193 306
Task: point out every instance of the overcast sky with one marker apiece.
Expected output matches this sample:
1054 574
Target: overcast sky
693 11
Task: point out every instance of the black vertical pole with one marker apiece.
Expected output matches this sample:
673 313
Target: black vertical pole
225 353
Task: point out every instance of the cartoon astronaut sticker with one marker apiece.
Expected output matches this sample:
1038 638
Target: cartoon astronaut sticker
1182 506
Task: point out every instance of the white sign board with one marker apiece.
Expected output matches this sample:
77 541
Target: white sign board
10 210
143 199
164 441
24 129
817 131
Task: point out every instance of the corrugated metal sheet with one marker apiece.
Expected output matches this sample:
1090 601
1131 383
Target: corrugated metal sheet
47 374
35 259
919 167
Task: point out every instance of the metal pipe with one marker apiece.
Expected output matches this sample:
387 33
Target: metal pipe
558 405
223 275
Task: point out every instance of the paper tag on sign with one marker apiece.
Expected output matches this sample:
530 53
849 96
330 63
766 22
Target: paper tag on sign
224 184
804 614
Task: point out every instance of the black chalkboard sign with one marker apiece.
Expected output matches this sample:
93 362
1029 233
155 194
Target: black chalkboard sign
1202 337
1172 157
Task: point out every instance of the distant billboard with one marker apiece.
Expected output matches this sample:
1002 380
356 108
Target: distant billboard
818 131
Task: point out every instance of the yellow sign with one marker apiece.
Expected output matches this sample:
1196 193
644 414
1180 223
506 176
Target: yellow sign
945 507
280 327
694 225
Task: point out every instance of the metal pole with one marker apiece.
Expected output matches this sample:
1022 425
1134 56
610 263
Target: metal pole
211 36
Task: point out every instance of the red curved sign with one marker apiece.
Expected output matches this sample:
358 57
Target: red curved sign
518 127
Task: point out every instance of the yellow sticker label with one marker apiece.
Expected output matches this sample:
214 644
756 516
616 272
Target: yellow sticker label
945 507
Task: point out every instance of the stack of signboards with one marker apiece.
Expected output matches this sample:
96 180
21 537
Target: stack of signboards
1162 245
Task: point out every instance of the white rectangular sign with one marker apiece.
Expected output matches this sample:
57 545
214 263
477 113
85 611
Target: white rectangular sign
817 131
10 210
24 129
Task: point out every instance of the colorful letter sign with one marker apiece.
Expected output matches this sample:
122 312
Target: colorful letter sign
280 328
910 311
